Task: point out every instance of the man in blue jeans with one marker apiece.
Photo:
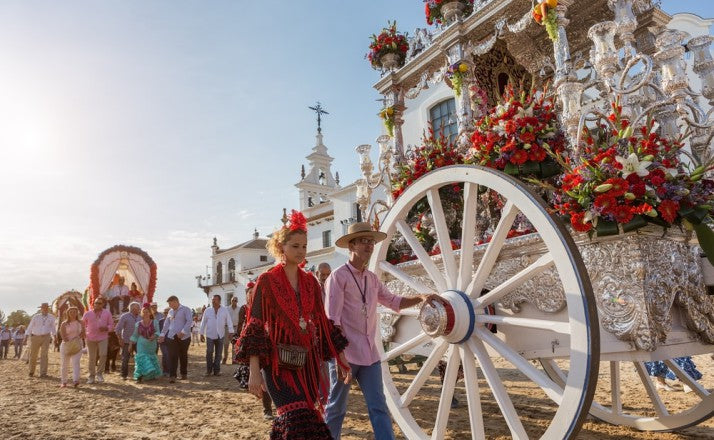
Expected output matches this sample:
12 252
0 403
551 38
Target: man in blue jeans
124 330
214 323
352 296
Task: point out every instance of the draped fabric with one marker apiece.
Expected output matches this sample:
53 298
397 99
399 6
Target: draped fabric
107 269
140 270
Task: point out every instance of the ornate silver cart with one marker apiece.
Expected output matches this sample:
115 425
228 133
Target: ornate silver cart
563 303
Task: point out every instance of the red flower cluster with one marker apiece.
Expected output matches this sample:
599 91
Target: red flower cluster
297 221
521 130
432 9
629 177
388 41
434 153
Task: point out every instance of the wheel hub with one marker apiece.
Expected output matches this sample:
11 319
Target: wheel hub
453 319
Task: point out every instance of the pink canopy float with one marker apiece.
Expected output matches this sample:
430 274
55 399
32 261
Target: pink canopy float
132 263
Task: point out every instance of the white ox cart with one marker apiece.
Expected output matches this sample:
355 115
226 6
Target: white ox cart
636 298
563 304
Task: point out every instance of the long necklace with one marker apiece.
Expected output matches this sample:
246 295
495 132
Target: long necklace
362 292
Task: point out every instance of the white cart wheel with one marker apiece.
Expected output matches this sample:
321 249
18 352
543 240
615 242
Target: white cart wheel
651 414
469 343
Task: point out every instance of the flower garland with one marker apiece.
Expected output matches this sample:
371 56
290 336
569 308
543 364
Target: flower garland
387 115
432 9
388 41
630 177
456 73
518 134
544 14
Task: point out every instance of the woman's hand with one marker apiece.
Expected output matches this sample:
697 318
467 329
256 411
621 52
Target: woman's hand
255 384
344 373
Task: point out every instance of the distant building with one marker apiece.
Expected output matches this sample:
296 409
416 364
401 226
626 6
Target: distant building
328 208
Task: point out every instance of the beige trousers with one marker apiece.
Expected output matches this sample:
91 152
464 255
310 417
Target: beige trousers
39 345
97 349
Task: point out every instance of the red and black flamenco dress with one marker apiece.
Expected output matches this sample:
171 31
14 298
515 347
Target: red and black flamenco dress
275 318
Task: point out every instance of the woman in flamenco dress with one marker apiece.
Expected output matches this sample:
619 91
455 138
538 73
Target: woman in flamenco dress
288 337
146 335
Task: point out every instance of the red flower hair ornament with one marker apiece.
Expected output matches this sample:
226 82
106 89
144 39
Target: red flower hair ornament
297 221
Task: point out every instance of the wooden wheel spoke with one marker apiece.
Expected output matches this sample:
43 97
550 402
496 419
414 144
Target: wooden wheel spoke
405 278
536 268
424 373
553 390
687 379
403 348
498 390
508 216
443 236
447 393
423 256
543 324
659 407
468 235
616 399
472 393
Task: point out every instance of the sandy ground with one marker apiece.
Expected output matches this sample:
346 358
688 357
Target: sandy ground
215 408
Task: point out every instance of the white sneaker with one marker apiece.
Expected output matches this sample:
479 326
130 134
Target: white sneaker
686 388
100 378
663 386
90 380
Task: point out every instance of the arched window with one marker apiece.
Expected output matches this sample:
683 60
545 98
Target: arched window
231 270
443 119
219 273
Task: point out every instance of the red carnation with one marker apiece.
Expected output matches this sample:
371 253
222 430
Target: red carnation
619 186
623 213
519 157
577 219
605 202
668 210
537 154
527 137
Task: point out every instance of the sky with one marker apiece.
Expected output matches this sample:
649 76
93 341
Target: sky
162 124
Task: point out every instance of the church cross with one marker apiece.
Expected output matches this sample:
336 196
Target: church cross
320 111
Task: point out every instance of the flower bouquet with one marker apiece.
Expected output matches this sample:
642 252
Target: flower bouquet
387 115
435 14
544 13
388 49
436 152
628 178
517 136
456 73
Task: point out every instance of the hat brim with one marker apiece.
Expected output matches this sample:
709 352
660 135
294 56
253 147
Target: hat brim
344 241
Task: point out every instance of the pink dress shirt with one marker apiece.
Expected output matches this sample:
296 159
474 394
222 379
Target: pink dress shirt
344 306
92 322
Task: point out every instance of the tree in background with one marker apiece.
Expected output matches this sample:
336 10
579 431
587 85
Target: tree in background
2 317
18 317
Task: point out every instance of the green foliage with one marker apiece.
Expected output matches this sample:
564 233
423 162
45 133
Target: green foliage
18 317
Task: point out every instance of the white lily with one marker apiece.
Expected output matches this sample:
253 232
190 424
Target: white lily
632 164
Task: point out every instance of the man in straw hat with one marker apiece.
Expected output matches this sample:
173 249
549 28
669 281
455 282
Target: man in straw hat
352 296
40 330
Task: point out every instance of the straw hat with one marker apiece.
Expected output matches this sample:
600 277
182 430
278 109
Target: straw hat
357 230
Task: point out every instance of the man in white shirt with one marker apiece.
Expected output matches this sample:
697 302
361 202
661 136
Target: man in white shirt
213 325
233 311
115 294
40 331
